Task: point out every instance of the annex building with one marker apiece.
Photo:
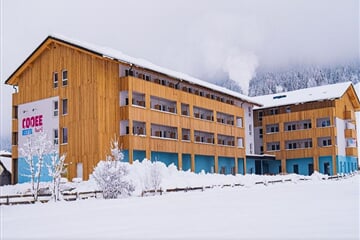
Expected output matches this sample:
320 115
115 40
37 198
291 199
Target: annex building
309 129
82 95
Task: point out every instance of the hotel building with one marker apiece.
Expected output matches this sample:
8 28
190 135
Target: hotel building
83 95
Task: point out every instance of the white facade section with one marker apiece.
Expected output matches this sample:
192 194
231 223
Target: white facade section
340 136
249 128
258 140
38 116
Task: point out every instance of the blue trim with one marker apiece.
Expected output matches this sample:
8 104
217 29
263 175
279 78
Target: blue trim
328 161
186 162
126 155
165 157
227 163
205 163
241 166
24 170
250 166
302 163
139 155
346 164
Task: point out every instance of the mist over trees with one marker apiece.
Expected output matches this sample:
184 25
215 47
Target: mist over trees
298 77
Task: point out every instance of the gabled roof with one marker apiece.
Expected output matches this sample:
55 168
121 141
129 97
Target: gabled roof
320 93
121 57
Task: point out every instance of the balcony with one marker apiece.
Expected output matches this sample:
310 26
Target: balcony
350 133
226 140
138 99
225 118
204 137
139 128
185 134
351 151
164 105
203 114
161 131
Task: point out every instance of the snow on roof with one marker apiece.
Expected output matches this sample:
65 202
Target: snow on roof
319 93
117 55
7 161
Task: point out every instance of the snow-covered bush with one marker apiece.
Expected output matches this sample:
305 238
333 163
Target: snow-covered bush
55 169
111 174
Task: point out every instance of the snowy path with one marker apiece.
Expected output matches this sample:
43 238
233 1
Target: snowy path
306 210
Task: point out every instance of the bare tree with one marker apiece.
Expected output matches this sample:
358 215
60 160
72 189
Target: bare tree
55 169
34 151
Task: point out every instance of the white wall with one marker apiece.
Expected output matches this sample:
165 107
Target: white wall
49 122
248 120
341 143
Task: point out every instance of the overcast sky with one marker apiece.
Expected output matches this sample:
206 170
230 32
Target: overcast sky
207 39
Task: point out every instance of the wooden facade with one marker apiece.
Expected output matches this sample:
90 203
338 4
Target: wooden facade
308 114
94 110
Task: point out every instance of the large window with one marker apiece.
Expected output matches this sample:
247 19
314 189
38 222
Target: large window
64 106
64 77
64 139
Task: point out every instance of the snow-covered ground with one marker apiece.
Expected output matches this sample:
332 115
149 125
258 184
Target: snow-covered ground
314 209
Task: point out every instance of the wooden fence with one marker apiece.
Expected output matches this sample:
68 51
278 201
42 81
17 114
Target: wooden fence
73 196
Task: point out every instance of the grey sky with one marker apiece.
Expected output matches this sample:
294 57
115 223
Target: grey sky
207 39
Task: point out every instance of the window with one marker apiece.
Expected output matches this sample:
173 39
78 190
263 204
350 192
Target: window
56 108
250 129
240 142
64 77
325 141
323 122
274 111
273 146
129 72
288 109
239 122
260 115
64 106
249 110
56 136
261 149
260 133
55 79
64 135
272 128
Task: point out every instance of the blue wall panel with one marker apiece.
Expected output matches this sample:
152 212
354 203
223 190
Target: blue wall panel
165 157
227 163
205 163
139 155
241 165
250 166
325 160
186 162
126 155
24 170
274 166
303 165
346 164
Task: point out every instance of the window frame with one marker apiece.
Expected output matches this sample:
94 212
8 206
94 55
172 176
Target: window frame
55 79
64 80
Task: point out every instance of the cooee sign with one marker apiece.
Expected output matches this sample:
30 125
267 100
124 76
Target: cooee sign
34 121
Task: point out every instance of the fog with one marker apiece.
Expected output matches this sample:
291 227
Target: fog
210 40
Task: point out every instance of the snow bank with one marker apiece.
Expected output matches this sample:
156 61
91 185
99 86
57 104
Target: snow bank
147 176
